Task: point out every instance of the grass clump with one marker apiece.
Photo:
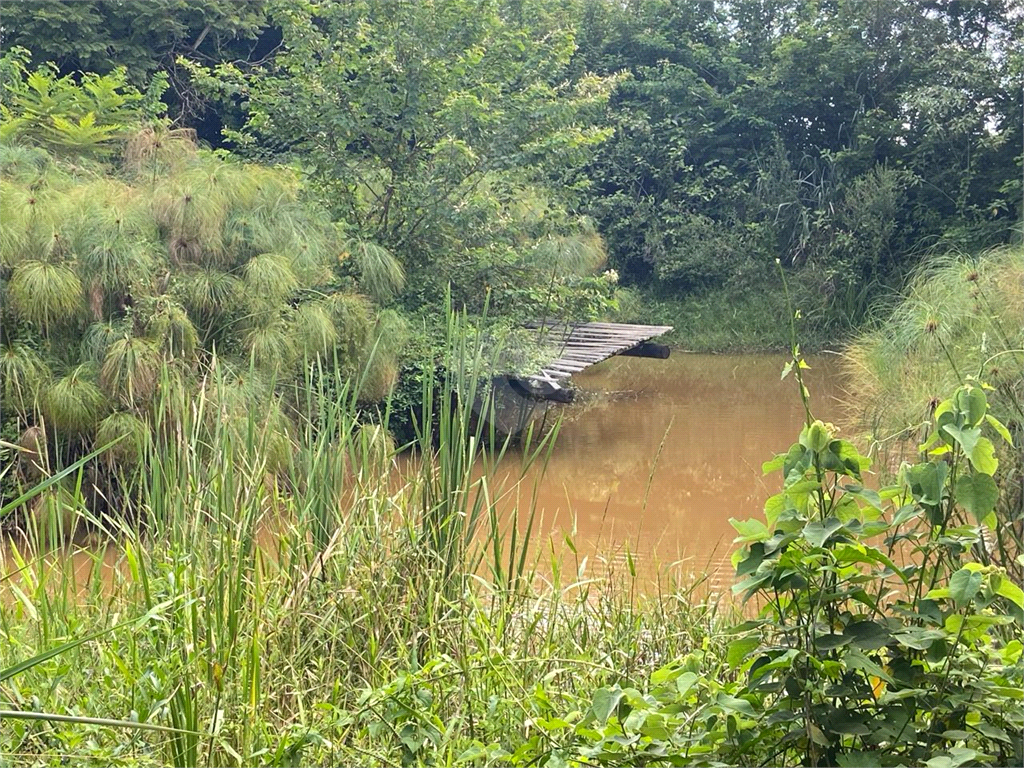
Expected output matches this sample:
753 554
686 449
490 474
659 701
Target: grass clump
962 316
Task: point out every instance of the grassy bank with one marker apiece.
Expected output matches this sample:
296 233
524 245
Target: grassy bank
257 606
746 318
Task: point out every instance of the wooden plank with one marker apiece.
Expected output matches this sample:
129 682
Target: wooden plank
577 347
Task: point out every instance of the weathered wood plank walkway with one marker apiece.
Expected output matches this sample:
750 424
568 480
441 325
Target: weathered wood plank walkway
579 346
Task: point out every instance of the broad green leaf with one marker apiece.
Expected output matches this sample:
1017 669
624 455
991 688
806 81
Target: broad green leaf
750 563
966 437
856 553
685 682
734 704
848 722
857 660
738 649
665 674
868 635
983 457
864 494
963 586
1011 592
957 756
798 459
971 401
918 638
905 513
817 533
977 494
857 760
774 464
774 507
851 457
606 701
749 530
927 480
830 641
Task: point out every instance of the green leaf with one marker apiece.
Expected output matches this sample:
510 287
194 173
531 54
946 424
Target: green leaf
1011 592
999 427
857 553
857 660
927 480
734 704
957 756
830 641
848 722
817 533
749 530
918 638
857 760
964 585
606 702
774 507
740 648
971 402
864 494
977 494
774 465
868 635
967 437
983 457
666 674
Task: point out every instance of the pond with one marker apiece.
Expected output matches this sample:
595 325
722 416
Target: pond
661 453
653 459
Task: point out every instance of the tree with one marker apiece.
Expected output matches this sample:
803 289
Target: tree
143 37
422 124
842 137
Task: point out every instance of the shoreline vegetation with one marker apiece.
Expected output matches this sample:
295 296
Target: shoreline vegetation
252 251
407 626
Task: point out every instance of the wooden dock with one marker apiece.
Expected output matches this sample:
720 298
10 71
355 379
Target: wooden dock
576 347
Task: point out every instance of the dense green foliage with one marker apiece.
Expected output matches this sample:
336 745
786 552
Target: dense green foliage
144 37
483 143
202 371
124 278
845 138
408 631
430 129
962 317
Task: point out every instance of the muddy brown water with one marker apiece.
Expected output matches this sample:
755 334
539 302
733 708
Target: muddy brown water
662 453
653 460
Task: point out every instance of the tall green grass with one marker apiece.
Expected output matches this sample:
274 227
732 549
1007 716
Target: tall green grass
962 319
315 610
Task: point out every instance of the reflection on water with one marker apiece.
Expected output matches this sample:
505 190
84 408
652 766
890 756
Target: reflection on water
662 453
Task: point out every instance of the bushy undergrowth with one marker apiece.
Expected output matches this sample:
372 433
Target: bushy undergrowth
120 280
337 617
962 316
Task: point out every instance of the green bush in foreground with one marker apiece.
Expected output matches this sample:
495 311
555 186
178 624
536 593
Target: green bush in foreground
879 641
